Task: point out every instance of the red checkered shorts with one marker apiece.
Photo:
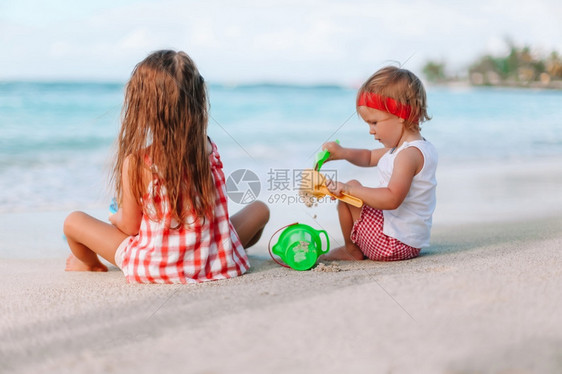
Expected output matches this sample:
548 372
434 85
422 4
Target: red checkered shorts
368 236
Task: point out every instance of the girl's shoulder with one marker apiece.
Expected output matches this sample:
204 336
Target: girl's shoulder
213 152
426 152
425 146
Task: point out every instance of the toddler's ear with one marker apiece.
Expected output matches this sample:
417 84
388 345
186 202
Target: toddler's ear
401 120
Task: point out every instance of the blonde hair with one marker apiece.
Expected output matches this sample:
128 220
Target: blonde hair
403 86
164 120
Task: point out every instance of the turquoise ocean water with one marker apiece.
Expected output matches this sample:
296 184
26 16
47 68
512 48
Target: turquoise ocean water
56 139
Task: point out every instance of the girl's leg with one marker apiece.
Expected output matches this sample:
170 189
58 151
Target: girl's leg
347 214
249 222
87 238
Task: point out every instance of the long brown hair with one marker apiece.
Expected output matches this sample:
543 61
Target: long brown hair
403 86
164 119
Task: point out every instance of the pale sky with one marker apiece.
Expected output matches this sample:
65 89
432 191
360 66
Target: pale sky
301 41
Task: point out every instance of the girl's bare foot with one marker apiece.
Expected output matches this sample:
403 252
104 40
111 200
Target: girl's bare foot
343 254
74 264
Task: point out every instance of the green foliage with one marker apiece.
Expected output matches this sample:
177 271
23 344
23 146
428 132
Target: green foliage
434 71
520 66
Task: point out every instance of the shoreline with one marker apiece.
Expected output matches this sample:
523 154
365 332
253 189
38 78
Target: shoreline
467 193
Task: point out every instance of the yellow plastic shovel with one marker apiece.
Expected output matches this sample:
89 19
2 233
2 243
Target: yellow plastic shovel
314 183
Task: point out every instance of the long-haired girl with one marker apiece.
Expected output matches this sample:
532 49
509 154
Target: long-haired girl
172 225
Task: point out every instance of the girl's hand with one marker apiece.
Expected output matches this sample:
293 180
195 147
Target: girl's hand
337 188
334 149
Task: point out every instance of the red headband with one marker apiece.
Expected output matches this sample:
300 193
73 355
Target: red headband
386 104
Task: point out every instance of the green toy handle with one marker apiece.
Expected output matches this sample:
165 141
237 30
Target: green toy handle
321 157
327 240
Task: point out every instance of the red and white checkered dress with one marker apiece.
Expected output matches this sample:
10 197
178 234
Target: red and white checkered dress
202 250
367 234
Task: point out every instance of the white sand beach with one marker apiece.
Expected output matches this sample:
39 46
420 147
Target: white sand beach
484 298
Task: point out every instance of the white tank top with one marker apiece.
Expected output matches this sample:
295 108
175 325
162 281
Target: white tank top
411 221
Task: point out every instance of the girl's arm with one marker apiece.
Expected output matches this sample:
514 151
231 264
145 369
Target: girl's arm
406 165
128 217
359 157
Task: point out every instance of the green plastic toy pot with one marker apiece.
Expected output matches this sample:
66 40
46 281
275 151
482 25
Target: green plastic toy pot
300 245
